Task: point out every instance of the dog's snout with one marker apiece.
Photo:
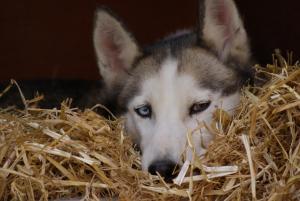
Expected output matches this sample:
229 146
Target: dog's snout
165 168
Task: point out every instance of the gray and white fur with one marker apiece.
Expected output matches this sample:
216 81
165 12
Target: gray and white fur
165 90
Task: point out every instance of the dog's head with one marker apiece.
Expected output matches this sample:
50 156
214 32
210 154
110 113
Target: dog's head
169 89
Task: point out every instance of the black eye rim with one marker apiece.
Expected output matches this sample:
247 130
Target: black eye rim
138 112
202 106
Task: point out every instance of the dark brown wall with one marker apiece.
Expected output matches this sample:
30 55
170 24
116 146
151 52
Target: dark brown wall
52 39
272 24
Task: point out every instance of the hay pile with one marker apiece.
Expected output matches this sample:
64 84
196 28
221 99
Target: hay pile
50 154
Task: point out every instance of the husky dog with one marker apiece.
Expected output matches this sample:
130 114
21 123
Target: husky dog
166 90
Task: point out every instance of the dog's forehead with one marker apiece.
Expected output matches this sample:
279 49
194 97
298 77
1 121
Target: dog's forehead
169 83
197 63
208 70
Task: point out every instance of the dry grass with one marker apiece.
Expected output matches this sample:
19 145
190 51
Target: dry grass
48 154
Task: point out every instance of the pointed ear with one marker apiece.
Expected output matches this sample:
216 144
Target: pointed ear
115 48
223 30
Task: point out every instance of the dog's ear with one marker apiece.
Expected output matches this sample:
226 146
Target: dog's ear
115 48
222 29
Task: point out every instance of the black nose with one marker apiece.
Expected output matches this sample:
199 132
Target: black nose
165 168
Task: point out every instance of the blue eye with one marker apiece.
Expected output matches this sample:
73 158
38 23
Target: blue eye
144 111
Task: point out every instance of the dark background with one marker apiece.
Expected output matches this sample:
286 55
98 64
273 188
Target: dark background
52 39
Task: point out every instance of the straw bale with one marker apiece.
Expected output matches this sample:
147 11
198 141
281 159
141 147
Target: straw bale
46 154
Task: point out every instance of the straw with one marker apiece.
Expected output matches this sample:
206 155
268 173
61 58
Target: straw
46 154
